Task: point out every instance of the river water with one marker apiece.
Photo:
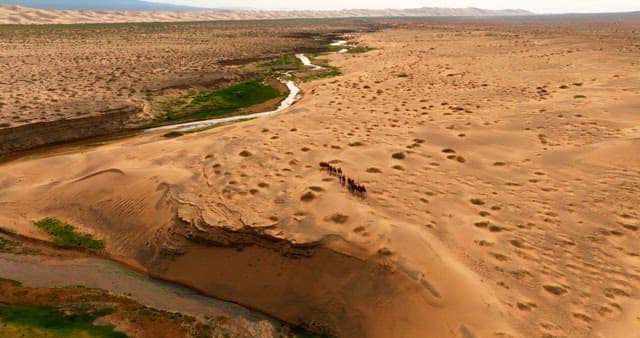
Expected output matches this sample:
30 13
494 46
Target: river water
117 279
294 95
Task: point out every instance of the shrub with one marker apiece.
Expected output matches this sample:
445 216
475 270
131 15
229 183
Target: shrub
339 218
308 197
399 156
477 201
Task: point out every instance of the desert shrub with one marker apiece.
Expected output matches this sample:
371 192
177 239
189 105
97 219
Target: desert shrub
308 196
339 218
477 201
399 156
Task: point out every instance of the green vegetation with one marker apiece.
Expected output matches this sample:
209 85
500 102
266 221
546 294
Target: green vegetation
65 235
5 244
329 71
16 248
52 322
198 106
288 61
357 50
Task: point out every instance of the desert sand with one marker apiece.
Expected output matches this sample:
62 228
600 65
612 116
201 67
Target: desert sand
512 210
19 15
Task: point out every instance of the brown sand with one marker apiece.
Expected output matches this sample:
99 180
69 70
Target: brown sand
515 212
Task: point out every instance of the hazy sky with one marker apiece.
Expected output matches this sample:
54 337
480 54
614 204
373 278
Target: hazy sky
538 6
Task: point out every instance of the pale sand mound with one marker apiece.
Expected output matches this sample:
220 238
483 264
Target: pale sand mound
513 213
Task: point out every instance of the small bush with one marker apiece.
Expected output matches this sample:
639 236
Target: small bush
554 289
173 134
399 156
477 201
339 218
308 197
483 224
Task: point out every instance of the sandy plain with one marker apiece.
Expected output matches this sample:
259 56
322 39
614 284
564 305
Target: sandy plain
70 71
513 212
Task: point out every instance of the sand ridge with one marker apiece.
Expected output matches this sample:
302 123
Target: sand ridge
23 15
512 213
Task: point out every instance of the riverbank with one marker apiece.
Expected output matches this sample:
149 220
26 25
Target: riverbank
69 283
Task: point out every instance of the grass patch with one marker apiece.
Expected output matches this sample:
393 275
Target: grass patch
54 322
65 235
328 71
288 61
5 244
16 248
203 105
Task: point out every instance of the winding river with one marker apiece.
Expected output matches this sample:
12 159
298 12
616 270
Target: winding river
115 278
294 95
110 276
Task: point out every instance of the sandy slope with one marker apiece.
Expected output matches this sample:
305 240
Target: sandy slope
24 15
530 229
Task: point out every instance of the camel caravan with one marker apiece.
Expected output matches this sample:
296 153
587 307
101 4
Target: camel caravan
354 188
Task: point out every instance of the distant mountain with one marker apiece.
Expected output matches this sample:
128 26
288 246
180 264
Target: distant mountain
105 5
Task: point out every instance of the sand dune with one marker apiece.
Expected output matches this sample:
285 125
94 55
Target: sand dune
513 212
24 15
